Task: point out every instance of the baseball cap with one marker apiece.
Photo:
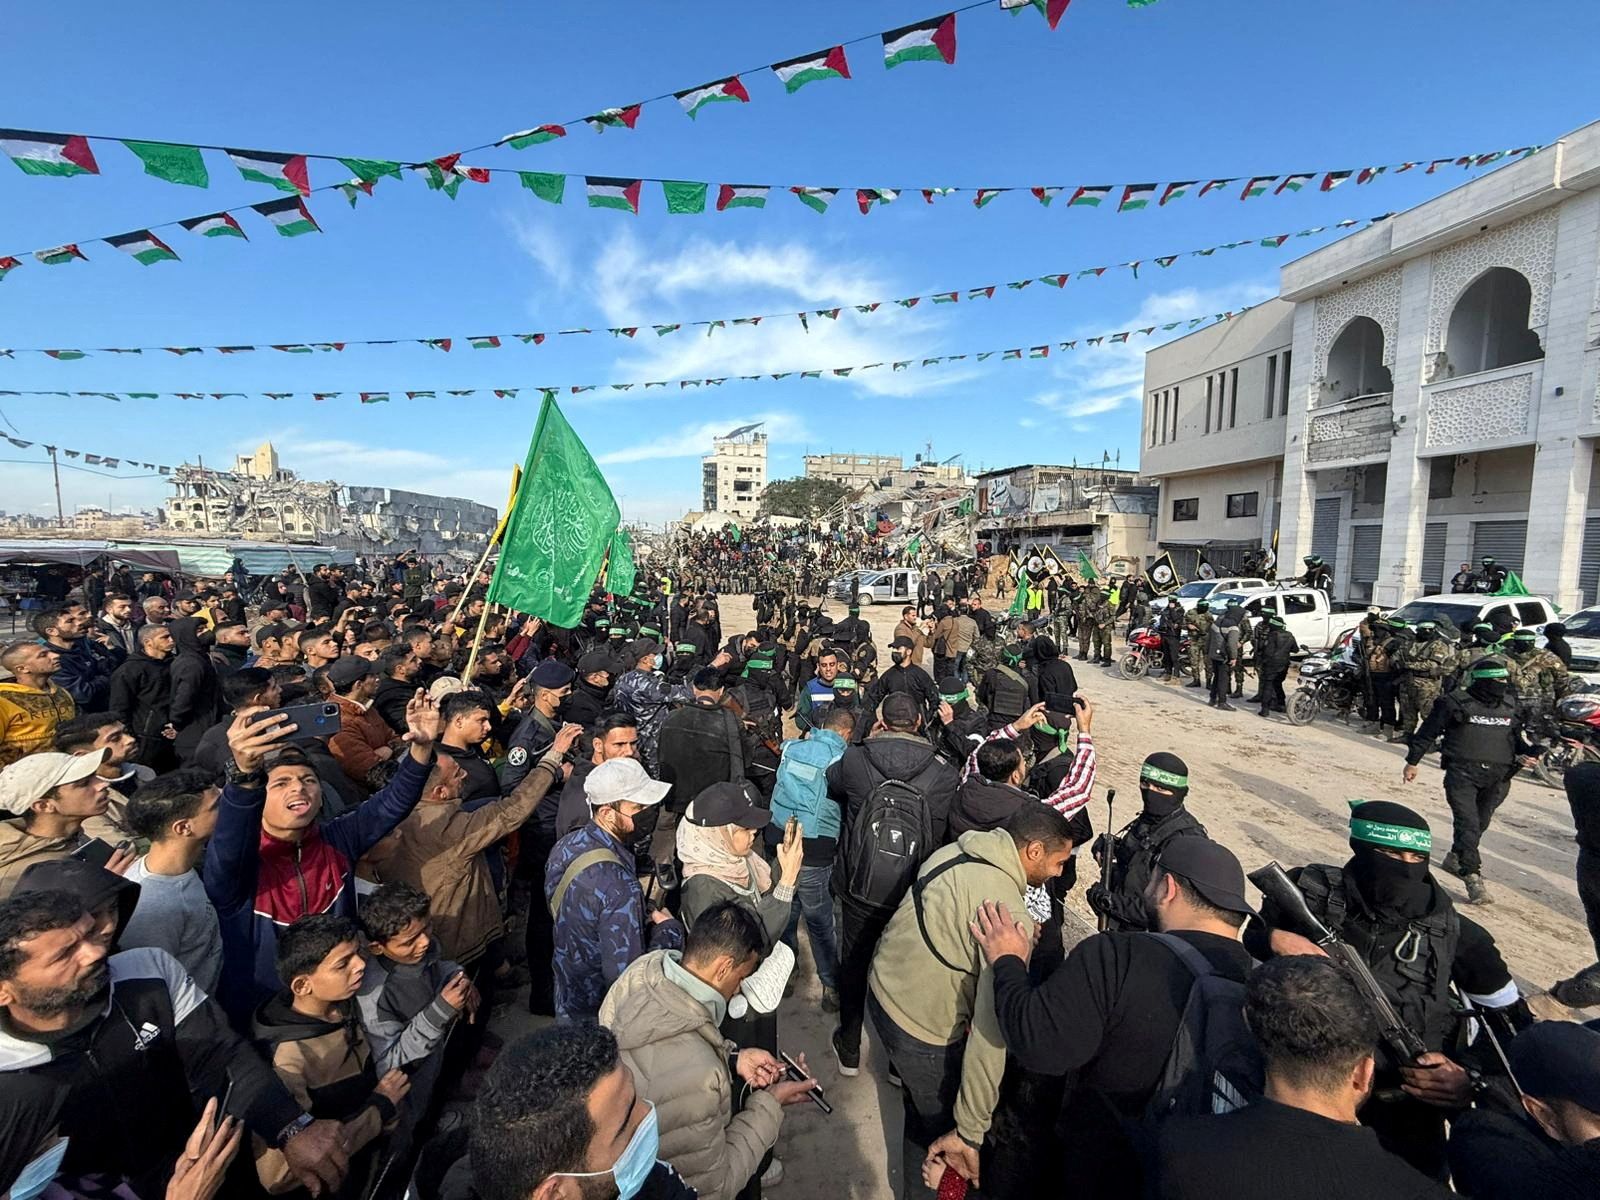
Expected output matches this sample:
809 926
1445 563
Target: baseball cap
272 629
623 779
1210 868
595 660
350 669
728 804
32 778
552 674
902 643
639 648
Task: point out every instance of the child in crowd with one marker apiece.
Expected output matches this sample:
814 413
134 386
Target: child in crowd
410 996
310 1033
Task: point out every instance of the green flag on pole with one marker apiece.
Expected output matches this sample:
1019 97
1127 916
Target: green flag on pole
560 525
1019 602
1086 568
622 572
1513 586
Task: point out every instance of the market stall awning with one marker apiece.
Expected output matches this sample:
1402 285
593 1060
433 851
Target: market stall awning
84 553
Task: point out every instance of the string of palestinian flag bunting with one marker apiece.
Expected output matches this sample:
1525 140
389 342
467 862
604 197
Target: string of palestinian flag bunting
291 218
1014 354
66 154
494 341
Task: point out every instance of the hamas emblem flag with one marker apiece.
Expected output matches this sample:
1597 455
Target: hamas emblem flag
1163 575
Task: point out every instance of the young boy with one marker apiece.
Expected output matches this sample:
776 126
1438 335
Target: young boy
175 814
310 1033
410 996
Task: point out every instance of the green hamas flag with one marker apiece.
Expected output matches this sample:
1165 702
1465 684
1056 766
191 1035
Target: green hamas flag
559 527
620 578
1086 568
1513 586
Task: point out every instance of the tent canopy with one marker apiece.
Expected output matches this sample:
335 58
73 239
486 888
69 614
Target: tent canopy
84 553
257 558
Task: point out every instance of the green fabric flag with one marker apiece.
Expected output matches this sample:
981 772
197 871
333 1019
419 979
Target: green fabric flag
560 525
1019 602
737 536
913 547
544 185
620 579
1513 586
370 170
175 164
684 197
1086 568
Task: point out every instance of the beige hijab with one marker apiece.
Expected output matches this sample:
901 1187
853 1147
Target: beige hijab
709 851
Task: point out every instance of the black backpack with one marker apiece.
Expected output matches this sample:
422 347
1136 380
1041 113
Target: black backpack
887 842
1214 1065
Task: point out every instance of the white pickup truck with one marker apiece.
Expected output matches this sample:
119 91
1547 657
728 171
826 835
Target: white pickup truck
1197 590
1463 610
1305 612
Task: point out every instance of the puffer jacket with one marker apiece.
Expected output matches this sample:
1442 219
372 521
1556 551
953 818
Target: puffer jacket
648 697
680 1063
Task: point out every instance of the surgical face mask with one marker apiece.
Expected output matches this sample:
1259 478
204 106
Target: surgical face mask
661 661
634 1164
36 1176
899 656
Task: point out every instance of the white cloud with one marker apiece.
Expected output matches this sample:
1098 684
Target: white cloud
692 441
541 242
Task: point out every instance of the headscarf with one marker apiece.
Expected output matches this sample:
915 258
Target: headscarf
709 851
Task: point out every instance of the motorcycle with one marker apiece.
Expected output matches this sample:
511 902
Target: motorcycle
1145 651
1325 682
1571 737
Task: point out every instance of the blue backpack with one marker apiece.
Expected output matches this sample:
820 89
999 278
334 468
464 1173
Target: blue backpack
802 787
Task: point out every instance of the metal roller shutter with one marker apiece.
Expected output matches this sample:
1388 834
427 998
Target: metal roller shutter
1504 541
1433 557
1589 564
1325 528
1365 541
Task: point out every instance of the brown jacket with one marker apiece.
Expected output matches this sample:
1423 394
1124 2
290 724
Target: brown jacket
912 630
361 735
440 852
20 849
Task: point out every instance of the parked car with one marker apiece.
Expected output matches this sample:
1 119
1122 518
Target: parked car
1197 590
1463 610
878 587
1305 612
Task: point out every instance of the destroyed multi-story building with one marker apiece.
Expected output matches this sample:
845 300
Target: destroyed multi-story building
259 498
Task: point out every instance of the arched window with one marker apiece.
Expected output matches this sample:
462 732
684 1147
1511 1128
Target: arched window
1355 361
1489 326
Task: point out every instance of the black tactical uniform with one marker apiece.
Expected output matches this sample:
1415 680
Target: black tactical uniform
1136 848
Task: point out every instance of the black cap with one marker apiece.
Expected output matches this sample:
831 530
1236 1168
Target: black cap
348 670
1210 868
1559 1060
730 804
902 643
595 660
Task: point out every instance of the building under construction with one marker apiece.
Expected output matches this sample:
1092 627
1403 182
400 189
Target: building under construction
258 498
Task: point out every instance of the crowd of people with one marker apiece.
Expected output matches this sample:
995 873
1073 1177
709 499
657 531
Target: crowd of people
278 849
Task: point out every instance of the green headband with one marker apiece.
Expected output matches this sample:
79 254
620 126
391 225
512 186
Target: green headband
649 631
844 684
955 697
1396 837
1164 778
1489 671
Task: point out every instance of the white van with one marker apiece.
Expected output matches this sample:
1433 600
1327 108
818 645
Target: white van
896 585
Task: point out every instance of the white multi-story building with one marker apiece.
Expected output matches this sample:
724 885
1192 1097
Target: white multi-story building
858 471
1443 392
734 474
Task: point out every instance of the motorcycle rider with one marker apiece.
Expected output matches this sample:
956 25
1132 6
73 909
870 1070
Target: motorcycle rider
1163 788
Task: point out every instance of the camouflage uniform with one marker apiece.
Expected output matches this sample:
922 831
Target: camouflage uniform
1540 679
1094 625
1426 663
1246 639
983 657
1198 624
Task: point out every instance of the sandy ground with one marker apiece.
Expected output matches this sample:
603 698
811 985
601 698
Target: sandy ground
1266 789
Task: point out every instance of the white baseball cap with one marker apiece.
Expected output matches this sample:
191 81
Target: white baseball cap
623 779
33 778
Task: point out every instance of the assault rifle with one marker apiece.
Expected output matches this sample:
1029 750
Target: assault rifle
1277 887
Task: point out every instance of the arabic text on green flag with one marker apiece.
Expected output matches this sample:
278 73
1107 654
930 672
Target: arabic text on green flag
559 528
622 572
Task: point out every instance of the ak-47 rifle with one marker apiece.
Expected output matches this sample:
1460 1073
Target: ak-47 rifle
1105 857
1277 887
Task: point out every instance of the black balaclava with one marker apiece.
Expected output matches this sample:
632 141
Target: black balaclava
1483 634
1427 631
1169 771
956 694
1521 643
1393 888
1488 680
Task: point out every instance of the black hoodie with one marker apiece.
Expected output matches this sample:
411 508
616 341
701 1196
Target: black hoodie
196 702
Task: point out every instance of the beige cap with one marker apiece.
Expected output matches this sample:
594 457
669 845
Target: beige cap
33 778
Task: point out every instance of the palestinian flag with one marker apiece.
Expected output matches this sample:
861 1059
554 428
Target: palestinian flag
1095 271
1056 280
534 137
1213 186
286 172
1039 352
1274 242
61 254
1045 194
1333 179
8 264
374 397
815 198
1090 196
549 187
809 68
235 349
292 348
695 99
684 197
216 225
1166 260
175 164
1018 284
49 153
144 246
1292 183
66 355
663 330
869 308
947 298
1368 174
1136 195
489 342
867 197
626 331
985 195
843 372
741 195
926 41
438 343
1257 187
421 395
606 192
180 351
1011 355
533 339
930 194
986 293
289 216
909 302
1051 10
613 118
1176 191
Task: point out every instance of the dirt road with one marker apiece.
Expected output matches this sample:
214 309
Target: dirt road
1266 789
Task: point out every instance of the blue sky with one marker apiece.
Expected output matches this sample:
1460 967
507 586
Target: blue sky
1186 89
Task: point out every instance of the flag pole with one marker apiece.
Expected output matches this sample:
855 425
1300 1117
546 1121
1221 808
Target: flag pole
494 540
477 640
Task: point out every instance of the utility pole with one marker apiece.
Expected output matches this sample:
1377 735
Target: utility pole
55 470
205 495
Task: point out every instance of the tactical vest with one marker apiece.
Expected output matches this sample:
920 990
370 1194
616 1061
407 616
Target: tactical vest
1479 732
1412 963
1010 697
